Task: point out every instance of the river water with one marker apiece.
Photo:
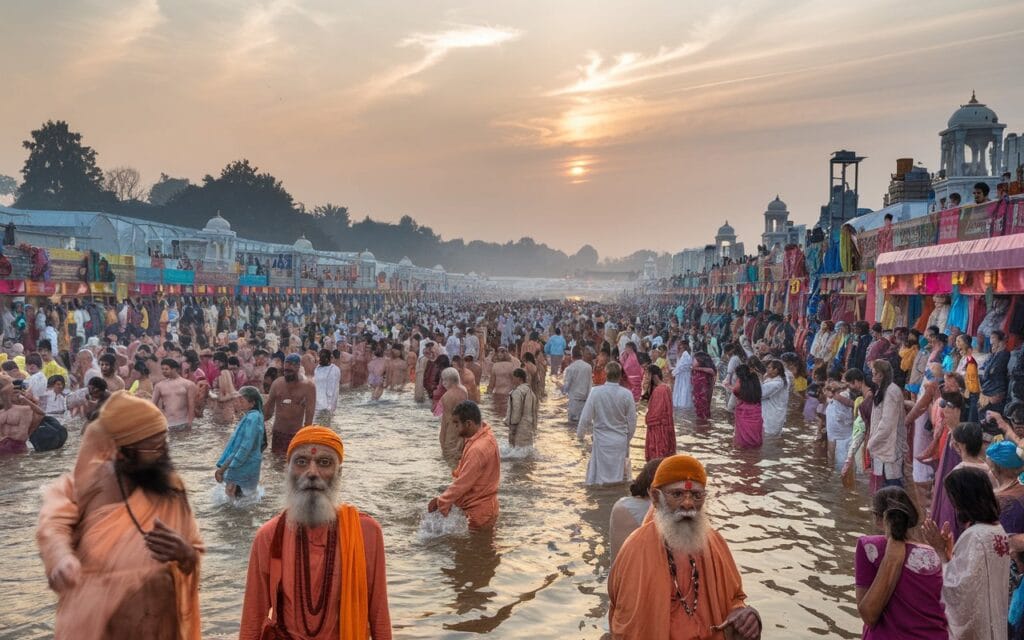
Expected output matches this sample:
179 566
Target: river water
542 574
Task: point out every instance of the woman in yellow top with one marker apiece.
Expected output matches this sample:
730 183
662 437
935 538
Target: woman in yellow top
968 368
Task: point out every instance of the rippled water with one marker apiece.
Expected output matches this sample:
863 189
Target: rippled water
791 527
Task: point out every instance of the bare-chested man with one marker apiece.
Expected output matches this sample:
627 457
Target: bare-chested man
345 364
108 368
474 365
175 396
469 380
376 371
451 441
293 401
500 383
397 370
19 417
259 368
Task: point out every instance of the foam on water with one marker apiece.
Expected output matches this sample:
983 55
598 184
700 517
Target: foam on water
220 498
508 452
434 525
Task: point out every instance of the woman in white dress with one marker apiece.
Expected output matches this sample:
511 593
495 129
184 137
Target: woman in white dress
976 571
682 390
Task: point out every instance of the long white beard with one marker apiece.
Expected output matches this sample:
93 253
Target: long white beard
311 503
684 531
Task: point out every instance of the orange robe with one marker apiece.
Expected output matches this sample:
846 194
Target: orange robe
641 592
116 565
475 488
260 594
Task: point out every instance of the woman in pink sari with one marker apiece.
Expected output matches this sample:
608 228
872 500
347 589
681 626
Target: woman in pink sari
749 423
702 377
661 428
631 367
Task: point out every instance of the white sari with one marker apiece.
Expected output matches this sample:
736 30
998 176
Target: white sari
975 584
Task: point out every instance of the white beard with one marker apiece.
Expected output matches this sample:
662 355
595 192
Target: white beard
310 506
683 531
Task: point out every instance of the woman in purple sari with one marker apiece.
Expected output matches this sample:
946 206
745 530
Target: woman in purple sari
749 423
942 508
898 579
703 376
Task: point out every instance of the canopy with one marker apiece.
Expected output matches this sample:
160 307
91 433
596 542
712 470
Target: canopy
986 254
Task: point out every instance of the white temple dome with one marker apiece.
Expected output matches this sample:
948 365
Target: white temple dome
217 223
973 114
302 244
776 205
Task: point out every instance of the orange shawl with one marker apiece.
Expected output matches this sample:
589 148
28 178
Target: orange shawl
353 618
640 588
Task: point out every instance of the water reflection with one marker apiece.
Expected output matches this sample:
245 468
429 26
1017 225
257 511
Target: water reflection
542 571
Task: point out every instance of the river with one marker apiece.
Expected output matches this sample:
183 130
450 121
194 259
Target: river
542 574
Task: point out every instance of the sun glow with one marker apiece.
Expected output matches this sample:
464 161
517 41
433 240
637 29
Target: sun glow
577 169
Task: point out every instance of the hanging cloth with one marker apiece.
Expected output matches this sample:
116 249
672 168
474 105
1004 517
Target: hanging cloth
958 310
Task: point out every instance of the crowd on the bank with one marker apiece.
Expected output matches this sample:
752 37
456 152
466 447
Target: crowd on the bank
927 416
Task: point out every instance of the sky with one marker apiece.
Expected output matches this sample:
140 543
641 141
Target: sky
624 125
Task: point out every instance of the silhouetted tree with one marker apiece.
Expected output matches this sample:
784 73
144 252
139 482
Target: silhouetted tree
166 188
60 172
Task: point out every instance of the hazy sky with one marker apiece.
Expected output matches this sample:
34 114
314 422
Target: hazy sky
625 125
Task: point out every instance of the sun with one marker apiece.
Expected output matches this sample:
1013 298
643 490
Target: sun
577 171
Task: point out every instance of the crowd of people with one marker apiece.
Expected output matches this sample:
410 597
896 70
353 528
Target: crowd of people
930 419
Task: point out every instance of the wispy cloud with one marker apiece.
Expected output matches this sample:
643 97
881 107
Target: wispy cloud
631 68
114 35
259 39
435 48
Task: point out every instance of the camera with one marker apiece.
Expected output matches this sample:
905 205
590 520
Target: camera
990 427
18 384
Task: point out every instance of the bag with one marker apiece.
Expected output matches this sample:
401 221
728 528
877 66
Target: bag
49 435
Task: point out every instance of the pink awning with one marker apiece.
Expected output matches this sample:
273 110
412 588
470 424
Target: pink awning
986 254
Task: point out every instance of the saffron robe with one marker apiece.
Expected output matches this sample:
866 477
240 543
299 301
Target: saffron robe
475 485
118 571
260 594
640 589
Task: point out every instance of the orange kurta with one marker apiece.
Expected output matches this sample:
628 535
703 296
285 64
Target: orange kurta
116 565
260 593
475 488
640 588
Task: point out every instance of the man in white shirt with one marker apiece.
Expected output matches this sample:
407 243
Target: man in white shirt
610 412
36 381
327 379
471 345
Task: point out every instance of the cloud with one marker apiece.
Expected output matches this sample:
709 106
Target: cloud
258 40
114 36
436 47
631 68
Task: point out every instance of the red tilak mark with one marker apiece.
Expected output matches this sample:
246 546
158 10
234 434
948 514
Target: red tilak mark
313 451
688 485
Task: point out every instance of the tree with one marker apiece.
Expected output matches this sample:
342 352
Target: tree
60 172
332 214
8 186
244 196
125 183
166 188
585 258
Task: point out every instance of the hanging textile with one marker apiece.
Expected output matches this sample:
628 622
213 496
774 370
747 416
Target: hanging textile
913 309
927 306
957 310
888 319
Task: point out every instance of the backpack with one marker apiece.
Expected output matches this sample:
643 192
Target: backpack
49 435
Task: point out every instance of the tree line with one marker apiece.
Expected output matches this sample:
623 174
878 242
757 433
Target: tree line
62 173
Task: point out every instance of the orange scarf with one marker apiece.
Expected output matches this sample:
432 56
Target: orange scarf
353 615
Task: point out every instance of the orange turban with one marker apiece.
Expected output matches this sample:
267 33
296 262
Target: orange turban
315 434
127 419
678 468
